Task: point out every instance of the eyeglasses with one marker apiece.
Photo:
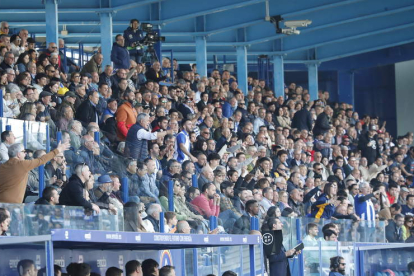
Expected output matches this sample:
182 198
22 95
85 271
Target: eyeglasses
342 263
6 28
318 169
52 71
54 47
411 221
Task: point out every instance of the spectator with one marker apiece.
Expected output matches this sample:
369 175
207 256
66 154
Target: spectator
119 54
114 271
322 124
138 136
183 227
50 196
153 213
133 268
132 218
93 65
394 230
325 205
182 147
126 116
87 112
150 267
208 202
26 268
242 225
7 139
16 170
73 193
167 270
5 219
408 209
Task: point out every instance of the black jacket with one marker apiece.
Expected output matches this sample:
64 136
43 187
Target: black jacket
72 193
42 201
152 75
242 225
369 152
87 113
322 124
392 233
302 120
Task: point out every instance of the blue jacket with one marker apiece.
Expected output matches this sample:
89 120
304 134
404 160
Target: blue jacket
120 57
322 208
132 36
227 110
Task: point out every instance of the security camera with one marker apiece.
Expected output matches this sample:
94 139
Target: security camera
297 23
290 31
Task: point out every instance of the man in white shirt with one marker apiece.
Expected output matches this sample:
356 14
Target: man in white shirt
7 139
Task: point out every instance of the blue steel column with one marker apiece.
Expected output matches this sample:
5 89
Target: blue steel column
242 68
278 76
346 86
201 55
52 27
252 260
313 80
106 37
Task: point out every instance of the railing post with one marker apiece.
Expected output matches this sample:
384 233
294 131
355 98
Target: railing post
97 138
1 102
8 127
47 138
162 230
212 223
125 189
171 196
41 180
24 135
58 136
194 181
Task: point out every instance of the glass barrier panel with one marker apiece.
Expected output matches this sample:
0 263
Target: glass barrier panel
13 253
231 259
205 260
246 260
386 261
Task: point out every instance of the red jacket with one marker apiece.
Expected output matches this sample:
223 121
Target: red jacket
206 207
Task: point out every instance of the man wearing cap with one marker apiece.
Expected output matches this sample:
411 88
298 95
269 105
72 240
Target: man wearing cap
136 145
368 144
86 112
45 99
102 192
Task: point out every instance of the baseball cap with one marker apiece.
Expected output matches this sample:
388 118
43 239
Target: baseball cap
45 94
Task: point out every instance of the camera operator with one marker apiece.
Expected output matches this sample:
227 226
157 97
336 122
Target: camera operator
133 38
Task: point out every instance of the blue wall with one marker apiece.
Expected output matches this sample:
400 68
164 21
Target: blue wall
375 94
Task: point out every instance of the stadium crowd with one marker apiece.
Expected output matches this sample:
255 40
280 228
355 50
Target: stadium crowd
254 154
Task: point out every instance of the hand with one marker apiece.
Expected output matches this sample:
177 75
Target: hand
63 147
215 231
290 252
96 208
193 159
52 180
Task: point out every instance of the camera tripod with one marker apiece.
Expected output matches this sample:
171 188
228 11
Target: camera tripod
150 56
